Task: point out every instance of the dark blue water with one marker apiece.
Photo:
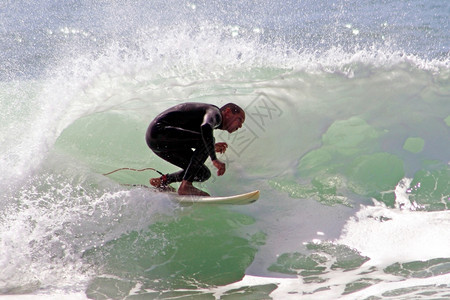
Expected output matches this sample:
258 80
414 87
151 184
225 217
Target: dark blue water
36 37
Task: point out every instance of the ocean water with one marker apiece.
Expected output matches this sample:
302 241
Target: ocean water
347 137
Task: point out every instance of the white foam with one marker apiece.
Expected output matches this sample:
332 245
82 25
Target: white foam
44 236
334 286
398 235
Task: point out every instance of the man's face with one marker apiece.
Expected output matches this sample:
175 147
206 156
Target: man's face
233 121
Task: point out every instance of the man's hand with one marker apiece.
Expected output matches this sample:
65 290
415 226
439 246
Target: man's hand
221 147
220 167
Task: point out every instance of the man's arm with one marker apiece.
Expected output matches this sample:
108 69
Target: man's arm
221 147
220 167
211 119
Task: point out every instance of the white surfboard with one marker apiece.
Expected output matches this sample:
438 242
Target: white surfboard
241 199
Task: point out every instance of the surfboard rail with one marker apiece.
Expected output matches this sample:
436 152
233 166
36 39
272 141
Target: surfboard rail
240 199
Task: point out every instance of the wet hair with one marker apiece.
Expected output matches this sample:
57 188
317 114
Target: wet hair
235 109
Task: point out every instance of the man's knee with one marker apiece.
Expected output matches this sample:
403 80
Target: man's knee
202 174
206 174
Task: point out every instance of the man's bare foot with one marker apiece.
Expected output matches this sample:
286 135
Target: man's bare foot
159 185
186 188
156 182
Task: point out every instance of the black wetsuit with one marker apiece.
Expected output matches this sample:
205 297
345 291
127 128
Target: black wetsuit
183 136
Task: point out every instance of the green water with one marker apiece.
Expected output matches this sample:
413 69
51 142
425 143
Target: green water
201 248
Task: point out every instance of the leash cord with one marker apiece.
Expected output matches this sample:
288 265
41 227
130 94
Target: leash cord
131 169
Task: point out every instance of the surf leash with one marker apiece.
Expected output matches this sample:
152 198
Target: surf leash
164 187
135 170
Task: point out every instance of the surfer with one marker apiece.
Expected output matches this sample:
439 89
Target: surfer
183 136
